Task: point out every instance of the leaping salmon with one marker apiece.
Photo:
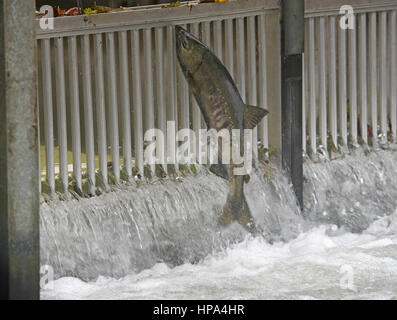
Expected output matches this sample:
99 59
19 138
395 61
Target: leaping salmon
222 108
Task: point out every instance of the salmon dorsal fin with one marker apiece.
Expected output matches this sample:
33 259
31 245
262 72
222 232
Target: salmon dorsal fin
253 115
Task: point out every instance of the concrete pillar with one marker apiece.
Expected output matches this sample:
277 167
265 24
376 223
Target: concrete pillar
19 177
292 35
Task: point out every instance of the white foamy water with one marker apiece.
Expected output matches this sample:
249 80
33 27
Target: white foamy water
318 257
309 267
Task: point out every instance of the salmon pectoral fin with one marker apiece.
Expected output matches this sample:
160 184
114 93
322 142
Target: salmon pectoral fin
220 170
253 115
237 210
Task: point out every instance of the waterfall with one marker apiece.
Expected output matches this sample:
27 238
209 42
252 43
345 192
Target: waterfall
174 222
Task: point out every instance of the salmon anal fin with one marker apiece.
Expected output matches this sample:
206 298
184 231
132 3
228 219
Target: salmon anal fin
253 115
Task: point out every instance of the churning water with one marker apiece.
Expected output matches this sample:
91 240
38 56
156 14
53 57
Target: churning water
161 240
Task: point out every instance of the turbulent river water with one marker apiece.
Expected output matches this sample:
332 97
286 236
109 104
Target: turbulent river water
161 240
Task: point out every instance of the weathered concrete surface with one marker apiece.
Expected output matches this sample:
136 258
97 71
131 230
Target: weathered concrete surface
19 177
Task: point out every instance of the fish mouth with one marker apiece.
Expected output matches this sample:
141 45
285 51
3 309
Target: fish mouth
181 34
180 31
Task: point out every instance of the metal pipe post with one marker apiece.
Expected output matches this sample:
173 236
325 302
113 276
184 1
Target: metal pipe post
292 35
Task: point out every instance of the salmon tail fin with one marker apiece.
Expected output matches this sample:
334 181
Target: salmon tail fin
253 115
237 210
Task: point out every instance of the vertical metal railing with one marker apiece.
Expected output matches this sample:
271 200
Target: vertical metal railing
160 90
148 92
322 82
119 84
137 101
125 102
196 113
362 42
100 108
333 101
183 101
393 73
252 74
113 104
101 90
61 112
48 114
312 112
350 74
75 110
352 79
373 76
342 86
262 84
88 113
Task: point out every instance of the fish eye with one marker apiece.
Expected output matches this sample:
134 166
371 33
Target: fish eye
184 43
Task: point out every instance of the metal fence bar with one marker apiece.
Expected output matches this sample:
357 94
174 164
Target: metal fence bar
148 71
312 88
322 83
333 113
362 42
252 75
183 93
342 85
196 113
229 46
38 139
306 96
171 107
75 109
206 39
100 107
383 75
304 101
88 111
48 113
137 101
205 33
113 110
61 112
393 73
218 39
183 100
373 76
125 101
353 84
240 42
189 117
263 100
160 90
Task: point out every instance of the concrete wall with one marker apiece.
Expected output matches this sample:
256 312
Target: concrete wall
19 178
